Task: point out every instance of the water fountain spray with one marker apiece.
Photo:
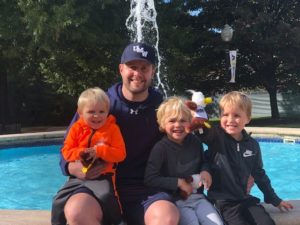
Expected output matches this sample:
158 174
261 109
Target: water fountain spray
142 27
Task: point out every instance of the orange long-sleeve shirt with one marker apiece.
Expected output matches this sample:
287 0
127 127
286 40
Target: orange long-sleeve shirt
108 141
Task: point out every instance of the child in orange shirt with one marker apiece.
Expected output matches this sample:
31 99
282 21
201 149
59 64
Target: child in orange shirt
95 138
95 133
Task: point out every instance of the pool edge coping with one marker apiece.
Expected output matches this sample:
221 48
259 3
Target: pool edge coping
268 132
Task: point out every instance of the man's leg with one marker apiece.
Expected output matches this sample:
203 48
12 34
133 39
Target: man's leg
83 209
162 212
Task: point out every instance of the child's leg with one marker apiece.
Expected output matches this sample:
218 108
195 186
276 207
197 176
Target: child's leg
231 212
207 214
187 210
187 216
256 214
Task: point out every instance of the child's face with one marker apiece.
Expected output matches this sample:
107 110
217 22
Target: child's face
94 114
175 128
233 120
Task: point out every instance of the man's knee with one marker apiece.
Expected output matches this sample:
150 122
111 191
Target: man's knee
81 208
162 212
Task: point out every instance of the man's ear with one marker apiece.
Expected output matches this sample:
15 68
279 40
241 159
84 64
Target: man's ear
154 70
121 67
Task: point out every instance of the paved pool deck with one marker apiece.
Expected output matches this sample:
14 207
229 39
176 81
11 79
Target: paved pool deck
42 217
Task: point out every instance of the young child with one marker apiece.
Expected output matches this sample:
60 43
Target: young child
95 137
175 157
235 156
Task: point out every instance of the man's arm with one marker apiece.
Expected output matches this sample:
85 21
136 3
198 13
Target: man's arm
64 165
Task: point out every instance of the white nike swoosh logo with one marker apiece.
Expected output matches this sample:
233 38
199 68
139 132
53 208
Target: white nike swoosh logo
248 154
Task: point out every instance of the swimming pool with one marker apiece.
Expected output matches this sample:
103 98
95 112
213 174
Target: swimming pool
282 165
30 176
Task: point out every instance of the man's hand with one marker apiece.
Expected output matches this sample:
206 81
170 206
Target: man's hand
75 169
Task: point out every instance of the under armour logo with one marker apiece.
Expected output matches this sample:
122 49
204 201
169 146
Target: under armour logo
140 50
135 112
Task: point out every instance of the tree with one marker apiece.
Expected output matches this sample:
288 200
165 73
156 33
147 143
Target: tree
51 50
267 38
11 53
78 41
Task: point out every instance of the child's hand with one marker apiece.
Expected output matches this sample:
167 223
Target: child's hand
186 188
91 152
205 179
285 206
87 158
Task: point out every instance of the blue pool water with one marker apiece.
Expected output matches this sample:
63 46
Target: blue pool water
282 165
30 176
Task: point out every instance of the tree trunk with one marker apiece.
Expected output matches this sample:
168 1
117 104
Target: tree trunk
268 73
273 103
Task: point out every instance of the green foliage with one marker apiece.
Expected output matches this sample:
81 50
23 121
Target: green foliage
266 34
52 50
78 41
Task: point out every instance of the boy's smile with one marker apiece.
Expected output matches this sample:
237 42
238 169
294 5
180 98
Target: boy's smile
233 121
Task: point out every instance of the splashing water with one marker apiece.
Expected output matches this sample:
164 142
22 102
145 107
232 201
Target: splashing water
142 26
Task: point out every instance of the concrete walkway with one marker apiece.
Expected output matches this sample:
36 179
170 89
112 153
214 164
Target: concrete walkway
39 217
24 217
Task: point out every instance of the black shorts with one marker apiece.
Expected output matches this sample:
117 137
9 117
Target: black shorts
153 198
136 202
101 189
244 212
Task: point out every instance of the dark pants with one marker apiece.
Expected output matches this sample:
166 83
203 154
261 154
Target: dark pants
101 189
244 212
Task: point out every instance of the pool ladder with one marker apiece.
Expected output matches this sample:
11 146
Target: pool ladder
289 140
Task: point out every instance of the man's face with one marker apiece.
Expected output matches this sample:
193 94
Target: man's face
136 76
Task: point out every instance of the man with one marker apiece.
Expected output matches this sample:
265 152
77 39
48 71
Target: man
133 103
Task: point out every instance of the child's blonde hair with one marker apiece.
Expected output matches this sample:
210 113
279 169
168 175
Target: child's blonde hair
172 107
93 95
238 99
